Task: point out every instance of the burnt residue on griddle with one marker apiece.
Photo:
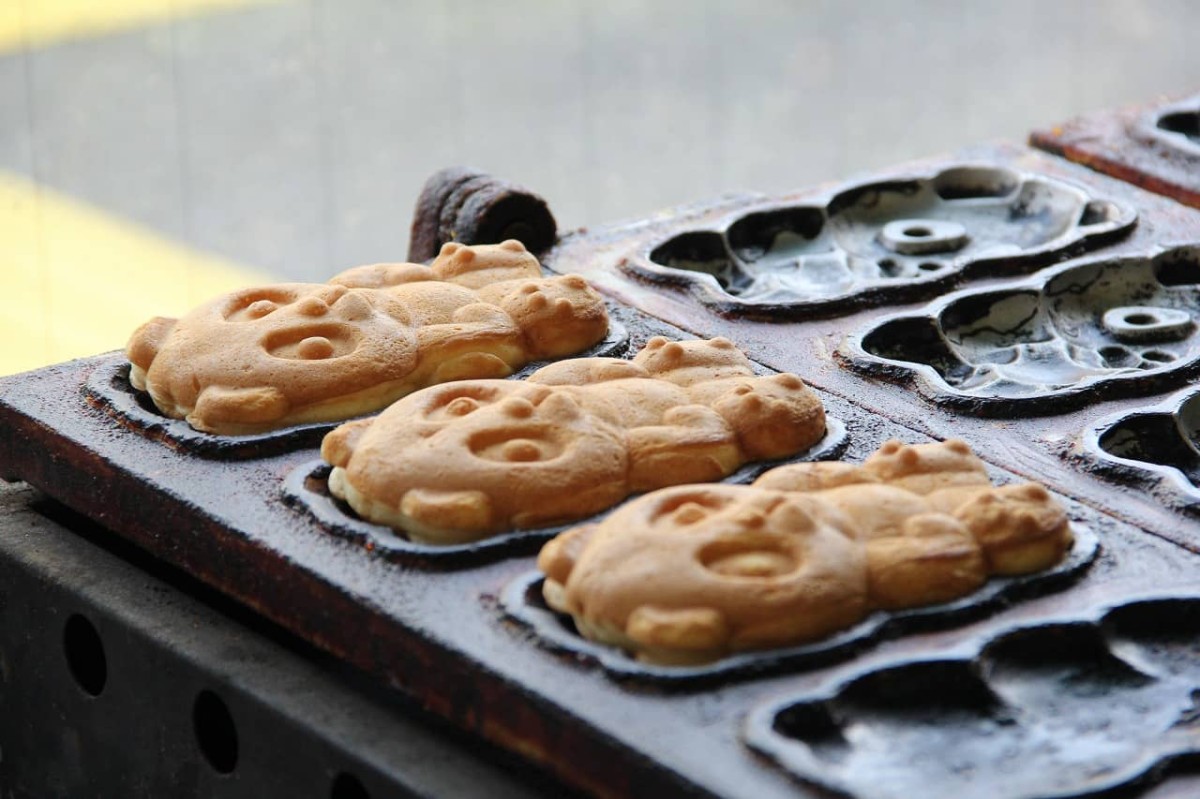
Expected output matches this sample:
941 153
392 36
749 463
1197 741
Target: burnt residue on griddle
1063 709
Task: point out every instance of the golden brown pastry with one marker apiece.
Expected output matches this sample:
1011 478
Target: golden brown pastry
689 575
462 461
264 358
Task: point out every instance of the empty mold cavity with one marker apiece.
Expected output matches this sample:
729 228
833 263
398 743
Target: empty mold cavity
704 253
1162 442
883 235
1057 671
1183 123
929 729
1094 712
1153 439
1097 212
932 694
917 339
898 726
975 183
1063 709
1160 637
1079 326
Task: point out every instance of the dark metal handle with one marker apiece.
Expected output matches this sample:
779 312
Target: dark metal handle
472 207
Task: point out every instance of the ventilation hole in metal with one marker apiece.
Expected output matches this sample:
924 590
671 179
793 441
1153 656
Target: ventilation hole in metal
216 734
85 655
347 786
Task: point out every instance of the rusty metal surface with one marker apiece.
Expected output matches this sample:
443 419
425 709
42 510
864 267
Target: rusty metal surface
440 630
1155 147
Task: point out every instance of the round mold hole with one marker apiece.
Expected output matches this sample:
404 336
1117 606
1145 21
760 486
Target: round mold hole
347 786
216 734
929 266
917 232
1140 319
85 655
889 267
1115 356
1158 356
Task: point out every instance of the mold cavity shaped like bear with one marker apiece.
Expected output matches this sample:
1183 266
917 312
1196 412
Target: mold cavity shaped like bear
881 236
1065 709
1079 326
1162 442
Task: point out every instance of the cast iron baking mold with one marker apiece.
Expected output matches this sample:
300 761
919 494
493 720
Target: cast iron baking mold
1074 335
1074 708
881 243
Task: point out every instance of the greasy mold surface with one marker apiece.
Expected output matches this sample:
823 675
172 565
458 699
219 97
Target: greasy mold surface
307 489
1158 447
522 600
881 242
1066 709
1124 325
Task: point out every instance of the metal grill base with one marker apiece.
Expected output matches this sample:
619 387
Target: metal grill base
114 682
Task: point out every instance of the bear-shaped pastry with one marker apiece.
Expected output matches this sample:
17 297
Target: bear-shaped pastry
268 357
465 460
687 575
690 573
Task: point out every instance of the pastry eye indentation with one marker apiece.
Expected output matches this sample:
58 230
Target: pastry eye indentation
461 406
454 400
260 308
684 508
257 303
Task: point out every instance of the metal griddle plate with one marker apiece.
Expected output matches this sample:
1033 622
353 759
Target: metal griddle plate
461 632
1156 147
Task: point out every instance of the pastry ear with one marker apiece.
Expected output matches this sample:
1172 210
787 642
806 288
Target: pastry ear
218 404
560 554
338 445
147 340
561 407
376 276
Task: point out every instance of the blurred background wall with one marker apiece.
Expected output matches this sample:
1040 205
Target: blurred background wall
154 153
